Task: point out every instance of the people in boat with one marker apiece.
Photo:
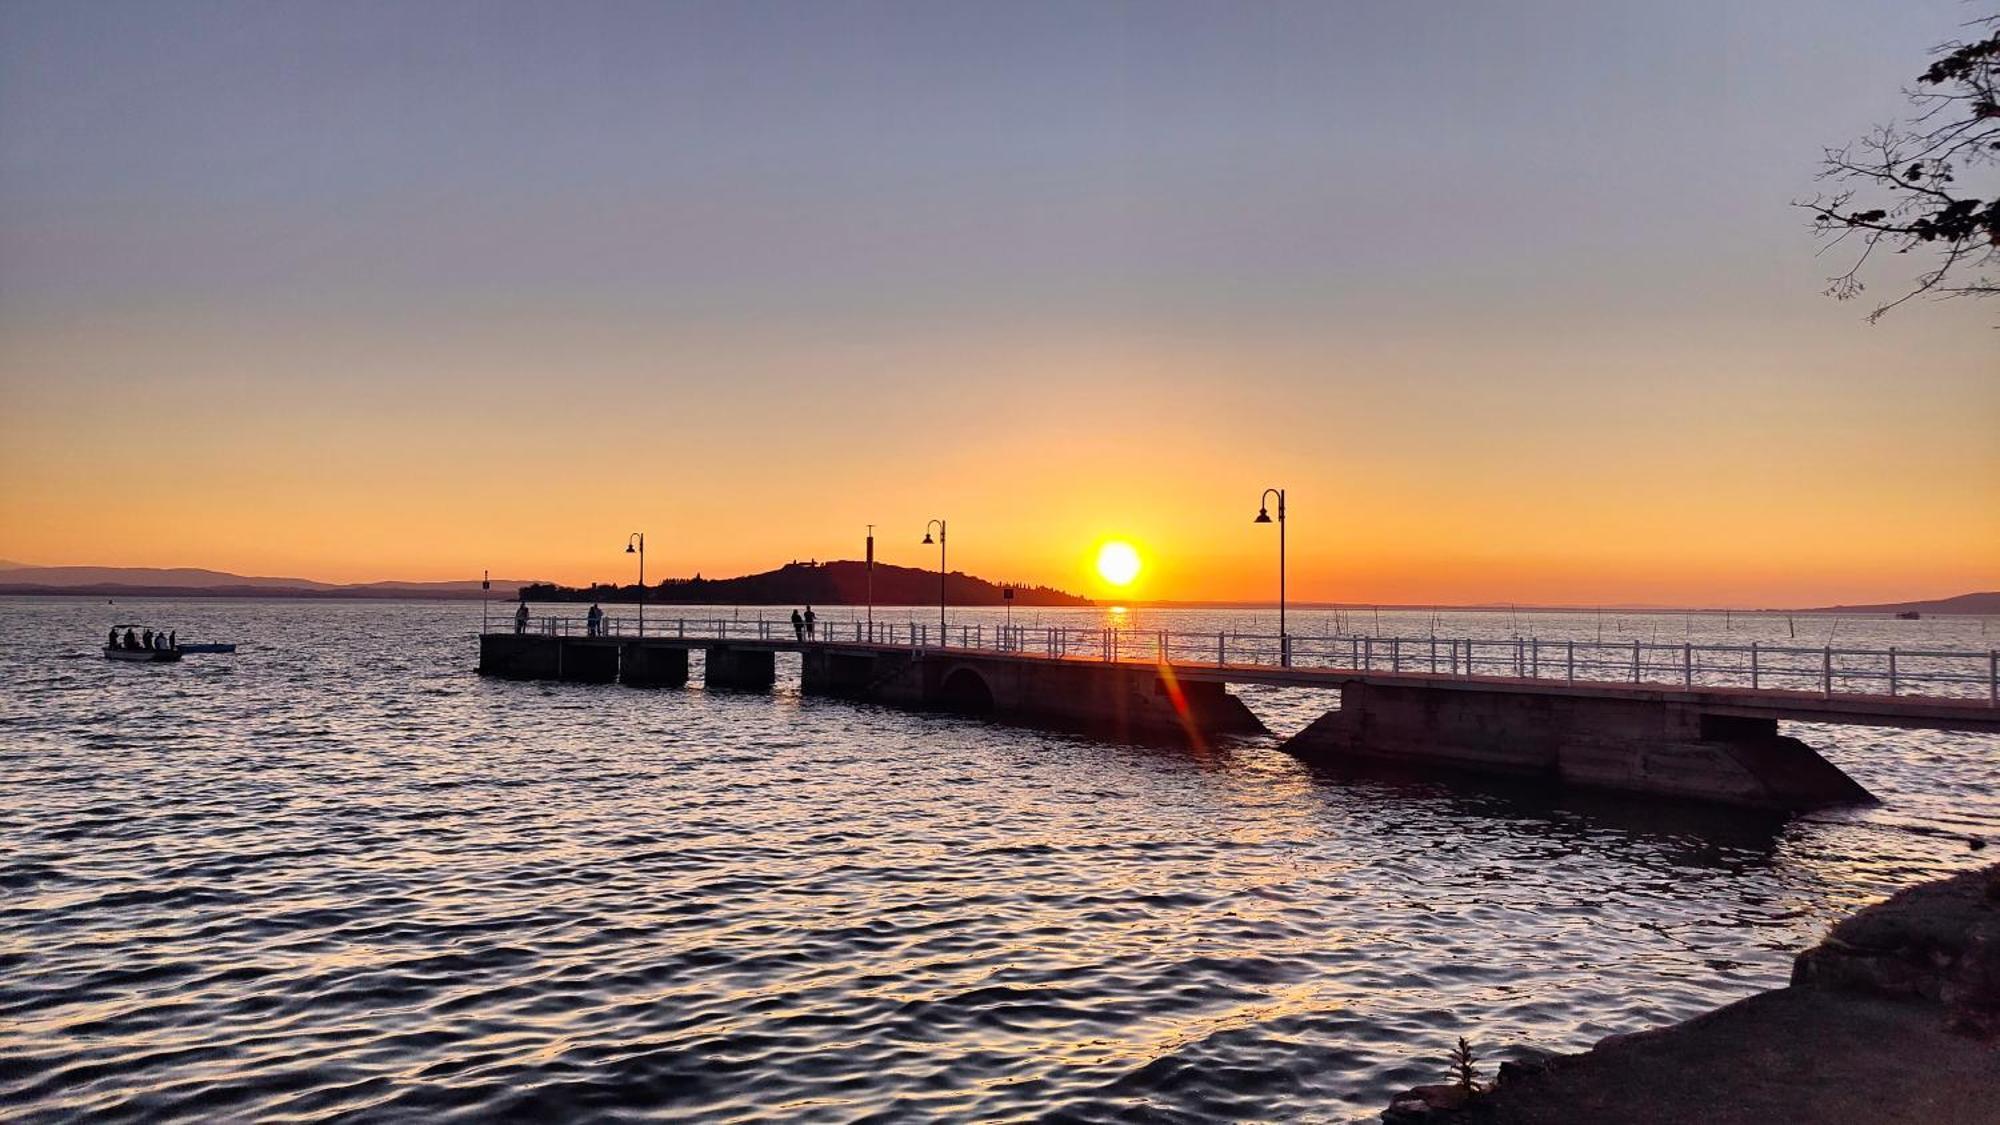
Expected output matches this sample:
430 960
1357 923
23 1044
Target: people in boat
521 618
130 640
113 642
146 640
173 639
594 620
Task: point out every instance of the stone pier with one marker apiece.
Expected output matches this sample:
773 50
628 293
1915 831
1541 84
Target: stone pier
1639 745
1687 740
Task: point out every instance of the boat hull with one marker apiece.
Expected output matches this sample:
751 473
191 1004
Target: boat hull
143 655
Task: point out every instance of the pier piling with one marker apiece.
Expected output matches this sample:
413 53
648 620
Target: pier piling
1636 745
739 668
643 664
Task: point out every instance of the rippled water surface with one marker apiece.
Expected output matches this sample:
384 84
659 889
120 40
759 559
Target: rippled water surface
339 875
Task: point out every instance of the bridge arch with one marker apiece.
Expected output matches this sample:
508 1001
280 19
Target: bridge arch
964 691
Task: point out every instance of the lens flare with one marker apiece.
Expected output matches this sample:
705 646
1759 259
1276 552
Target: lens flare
1118 563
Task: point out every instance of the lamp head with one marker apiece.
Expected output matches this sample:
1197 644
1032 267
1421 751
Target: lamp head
1263 516
630 549
927 538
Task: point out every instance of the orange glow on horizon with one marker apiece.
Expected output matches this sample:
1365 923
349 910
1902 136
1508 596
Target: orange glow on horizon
1468 494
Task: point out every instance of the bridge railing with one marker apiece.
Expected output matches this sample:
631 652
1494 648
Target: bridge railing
1941 673
915 634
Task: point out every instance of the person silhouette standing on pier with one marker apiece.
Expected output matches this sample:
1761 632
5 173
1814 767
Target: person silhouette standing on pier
799 626
521 618
811 618
593 621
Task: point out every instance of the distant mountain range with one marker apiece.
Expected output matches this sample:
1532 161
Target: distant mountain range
1972 604
828 583
193 582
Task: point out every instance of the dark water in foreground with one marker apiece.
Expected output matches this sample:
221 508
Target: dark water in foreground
338 875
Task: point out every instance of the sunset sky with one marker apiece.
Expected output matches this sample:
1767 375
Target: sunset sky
1510 298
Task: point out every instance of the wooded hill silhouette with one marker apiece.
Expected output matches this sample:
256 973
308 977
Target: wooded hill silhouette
829 583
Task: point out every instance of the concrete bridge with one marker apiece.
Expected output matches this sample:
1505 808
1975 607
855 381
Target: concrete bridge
1690 721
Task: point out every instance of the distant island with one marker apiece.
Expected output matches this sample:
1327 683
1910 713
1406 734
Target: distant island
813 583
1969 604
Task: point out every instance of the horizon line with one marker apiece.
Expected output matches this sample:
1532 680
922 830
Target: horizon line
106 588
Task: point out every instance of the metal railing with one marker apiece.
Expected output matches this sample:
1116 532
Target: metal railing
1892 671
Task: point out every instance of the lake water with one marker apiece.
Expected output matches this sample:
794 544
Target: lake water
340 875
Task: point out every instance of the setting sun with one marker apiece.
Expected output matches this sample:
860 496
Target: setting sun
1118 563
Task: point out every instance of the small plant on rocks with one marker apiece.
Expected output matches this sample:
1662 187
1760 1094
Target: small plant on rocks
1464 1068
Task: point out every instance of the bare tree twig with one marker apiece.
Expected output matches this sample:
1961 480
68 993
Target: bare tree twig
1905 185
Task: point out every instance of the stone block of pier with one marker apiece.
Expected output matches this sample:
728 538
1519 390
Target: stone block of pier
1637 745
518 656
1118 701
539 656
651 664
851 673
739 668
586 660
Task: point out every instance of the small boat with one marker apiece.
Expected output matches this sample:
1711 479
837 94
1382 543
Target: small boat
208 647
1909 615
137 652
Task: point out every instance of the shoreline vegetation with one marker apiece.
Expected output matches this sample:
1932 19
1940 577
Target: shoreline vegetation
1894 1016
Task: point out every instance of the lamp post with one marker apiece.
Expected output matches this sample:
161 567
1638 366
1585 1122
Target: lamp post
639 538
939 524
1264 516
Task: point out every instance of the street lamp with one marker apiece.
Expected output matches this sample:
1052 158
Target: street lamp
939 524
1264 516
639 538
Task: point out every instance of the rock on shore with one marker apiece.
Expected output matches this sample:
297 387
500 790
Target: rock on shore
1894 1017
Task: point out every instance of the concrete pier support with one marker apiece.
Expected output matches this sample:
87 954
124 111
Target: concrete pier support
534 656
1113 701
850 673
1636 745
740 669
518 656
586 661
641 664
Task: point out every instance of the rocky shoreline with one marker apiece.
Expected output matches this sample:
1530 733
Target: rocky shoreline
1894 1017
